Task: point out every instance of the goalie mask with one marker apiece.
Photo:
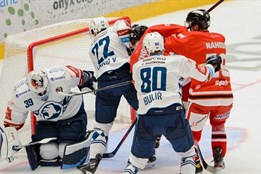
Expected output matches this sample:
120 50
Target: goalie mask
97 25
153 42
198 17
37 82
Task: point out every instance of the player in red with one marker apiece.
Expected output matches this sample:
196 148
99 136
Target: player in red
212 100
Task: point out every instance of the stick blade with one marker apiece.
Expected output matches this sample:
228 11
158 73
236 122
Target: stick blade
206 166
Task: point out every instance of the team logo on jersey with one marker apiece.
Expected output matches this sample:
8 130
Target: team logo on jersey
221 82
51 109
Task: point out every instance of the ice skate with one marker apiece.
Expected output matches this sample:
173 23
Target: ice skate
91 166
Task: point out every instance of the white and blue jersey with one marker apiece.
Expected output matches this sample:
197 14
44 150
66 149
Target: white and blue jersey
108 52
158 79
54 107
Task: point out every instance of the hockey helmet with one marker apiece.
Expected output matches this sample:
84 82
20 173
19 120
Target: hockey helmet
153 42
97 25
37 82
137 32
198 17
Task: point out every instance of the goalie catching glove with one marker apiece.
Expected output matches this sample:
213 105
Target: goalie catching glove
9 143
215 61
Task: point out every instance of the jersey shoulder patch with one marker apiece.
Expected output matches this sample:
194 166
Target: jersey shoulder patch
21 88
56 73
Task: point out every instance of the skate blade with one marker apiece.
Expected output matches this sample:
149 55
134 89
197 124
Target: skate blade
149 165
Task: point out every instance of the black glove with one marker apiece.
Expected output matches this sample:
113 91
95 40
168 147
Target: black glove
130 50
90 81
215 61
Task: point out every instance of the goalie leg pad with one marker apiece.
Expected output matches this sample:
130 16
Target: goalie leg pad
49 151
61 149
76 154
44 155
33 155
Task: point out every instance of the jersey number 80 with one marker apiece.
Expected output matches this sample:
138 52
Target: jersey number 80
153 79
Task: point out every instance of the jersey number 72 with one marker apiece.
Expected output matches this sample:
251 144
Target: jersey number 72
102 46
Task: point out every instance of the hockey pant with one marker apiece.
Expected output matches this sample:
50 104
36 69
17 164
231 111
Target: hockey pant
67 131
198 116
172 124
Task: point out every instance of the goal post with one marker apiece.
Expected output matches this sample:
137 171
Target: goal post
65 43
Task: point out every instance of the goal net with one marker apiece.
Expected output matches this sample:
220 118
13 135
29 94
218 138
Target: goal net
62 44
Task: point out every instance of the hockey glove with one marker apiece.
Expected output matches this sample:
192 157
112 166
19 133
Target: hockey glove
9 143
130 50
89 80
215 61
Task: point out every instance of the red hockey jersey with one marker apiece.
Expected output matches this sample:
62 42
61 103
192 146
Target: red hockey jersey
196 45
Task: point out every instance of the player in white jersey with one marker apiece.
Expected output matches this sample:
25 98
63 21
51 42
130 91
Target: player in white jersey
109 52
136 32
157 80
57 116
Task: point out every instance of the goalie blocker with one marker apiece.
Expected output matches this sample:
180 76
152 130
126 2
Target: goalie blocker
9 142
74 155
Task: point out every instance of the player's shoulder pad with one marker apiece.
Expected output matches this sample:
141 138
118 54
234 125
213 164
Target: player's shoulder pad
56 73
20 88
122 28
54 70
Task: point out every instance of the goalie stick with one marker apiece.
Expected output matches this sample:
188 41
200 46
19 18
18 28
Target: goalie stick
96 90
17 148
43 141
112 154
206 166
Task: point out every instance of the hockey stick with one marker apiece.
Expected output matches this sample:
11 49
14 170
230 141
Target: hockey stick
89 169
17 148
96 90
112 154
206 166
215 5
43 141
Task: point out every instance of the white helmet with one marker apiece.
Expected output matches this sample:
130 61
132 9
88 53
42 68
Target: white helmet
98 24
37 82
153 42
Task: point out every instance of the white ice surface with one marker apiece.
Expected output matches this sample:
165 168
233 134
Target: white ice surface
240 22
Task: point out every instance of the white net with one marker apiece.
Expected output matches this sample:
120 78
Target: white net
72 50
